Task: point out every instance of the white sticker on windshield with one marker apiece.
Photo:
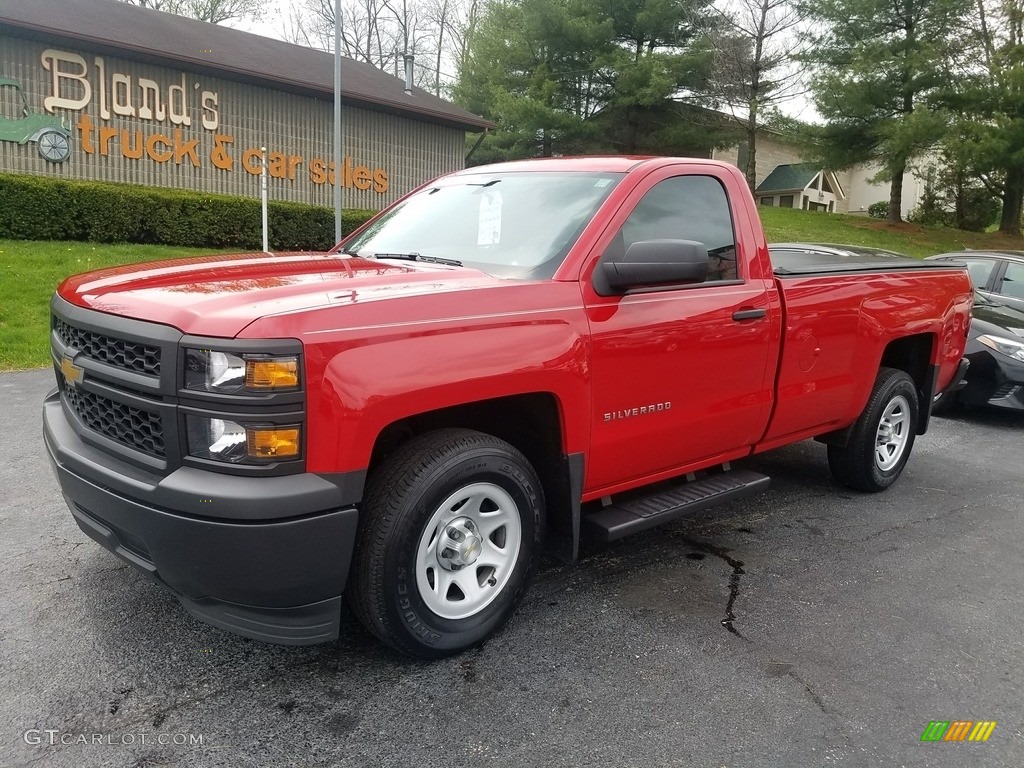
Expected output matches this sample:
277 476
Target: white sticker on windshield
602 183
489 228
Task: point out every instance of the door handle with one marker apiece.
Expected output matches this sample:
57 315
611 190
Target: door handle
749 314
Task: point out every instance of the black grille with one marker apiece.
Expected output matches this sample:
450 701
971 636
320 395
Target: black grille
129 426
1005 391
129 355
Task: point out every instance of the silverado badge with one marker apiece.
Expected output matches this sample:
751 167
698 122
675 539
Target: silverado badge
72 373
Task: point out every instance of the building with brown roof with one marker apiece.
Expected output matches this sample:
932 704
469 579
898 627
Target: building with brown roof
103 90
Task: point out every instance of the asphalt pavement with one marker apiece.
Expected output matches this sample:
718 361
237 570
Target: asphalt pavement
808 626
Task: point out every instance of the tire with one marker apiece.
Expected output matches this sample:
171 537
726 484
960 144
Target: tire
53 146
424 580
882 437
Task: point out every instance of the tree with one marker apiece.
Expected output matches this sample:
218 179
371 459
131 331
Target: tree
533 67
880 64
212 11
754 52
657 57
382 32
563 76
988 143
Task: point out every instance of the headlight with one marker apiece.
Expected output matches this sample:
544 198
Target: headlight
234 443
1008 347
226 373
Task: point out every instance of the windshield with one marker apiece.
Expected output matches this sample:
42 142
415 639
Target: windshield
518 225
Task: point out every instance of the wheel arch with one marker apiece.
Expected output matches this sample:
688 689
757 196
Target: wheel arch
47 129
534 424
914 355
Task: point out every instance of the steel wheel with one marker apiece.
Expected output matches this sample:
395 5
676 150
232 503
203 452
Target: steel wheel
891 437
880 441
449 536
467 550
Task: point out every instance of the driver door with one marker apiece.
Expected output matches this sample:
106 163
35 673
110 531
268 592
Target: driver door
680 374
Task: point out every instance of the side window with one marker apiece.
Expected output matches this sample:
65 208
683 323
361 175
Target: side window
687 208
980 271
1013 281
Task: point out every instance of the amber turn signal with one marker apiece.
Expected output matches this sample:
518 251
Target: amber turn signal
275 373
272 442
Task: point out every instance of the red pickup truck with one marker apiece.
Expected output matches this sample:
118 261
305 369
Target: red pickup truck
504 361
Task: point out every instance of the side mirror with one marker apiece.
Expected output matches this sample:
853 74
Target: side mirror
658 262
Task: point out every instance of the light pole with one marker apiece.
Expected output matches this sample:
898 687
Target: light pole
338 159
263 199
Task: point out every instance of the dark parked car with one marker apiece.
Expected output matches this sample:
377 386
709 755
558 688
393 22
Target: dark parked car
996 351
999 275
995 348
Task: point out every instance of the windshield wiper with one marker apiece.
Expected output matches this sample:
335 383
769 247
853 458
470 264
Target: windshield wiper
418 257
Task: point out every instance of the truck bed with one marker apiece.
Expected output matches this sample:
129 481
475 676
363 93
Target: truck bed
794 260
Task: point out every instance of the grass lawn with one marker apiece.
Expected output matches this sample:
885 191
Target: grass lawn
29 271
783 225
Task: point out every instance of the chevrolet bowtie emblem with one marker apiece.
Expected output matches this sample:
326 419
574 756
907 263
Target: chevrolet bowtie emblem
72 373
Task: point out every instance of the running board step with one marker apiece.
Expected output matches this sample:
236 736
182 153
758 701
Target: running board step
639 514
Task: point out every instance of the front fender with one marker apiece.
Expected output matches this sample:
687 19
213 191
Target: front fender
40 131
371 384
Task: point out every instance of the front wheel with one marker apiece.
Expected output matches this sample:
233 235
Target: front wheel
54 146
449 538
882 437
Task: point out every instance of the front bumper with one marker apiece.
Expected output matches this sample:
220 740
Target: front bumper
994 379
276 575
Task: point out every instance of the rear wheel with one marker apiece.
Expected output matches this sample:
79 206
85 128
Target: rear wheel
882 437
449 538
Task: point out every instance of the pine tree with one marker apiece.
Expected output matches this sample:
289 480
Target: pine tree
570 76
879 66
989 101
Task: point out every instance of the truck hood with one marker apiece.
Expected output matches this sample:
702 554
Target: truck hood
221 295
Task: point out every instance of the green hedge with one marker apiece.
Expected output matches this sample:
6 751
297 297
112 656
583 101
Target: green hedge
39 208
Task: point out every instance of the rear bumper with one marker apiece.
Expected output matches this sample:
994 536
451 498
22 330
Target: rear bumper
277 576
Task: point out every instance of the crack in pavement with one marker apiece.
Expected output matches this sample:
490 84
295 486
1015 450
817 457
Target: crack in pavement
909 524
810 692
734 580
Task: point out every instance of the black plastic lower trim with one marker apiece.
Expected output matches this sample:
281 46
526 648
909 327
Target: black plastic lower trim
300 625
275 576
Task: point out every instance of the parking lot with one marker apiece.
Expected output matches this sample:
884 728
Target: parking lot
808 626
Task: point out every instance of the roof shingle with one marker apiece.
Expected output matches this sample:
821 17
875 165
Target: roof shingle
789 177
166 39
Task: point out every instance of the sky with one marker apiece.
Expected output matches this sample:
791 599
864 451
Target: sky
274 23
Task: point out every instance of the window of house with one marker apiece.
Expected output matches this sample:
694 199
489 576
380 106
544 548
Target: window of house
687 208
1013 281
767 201
825 186
786 201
